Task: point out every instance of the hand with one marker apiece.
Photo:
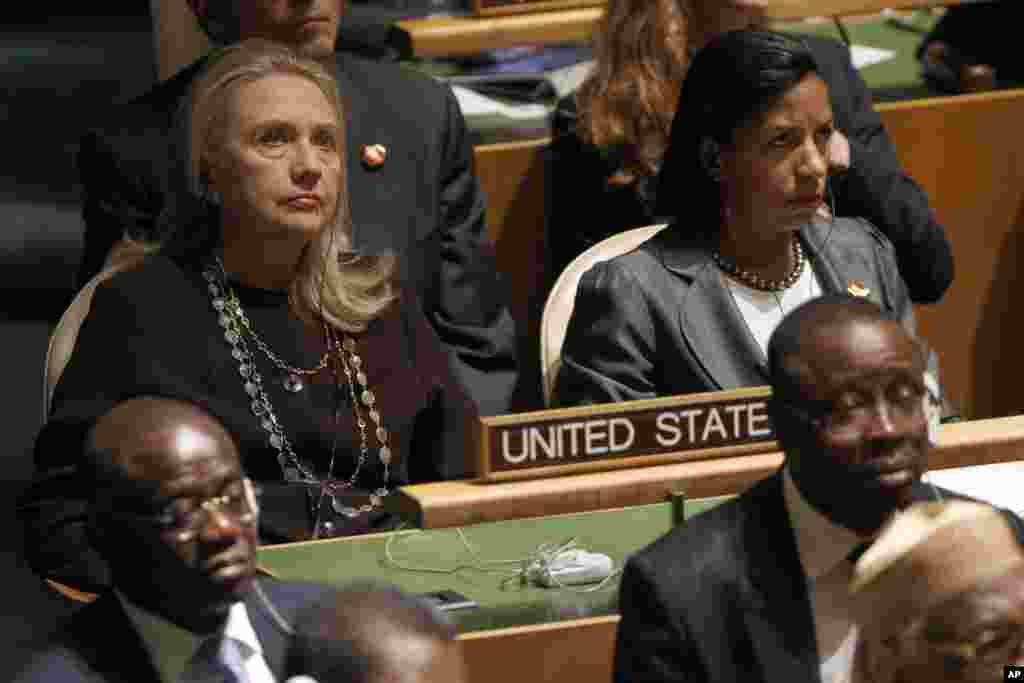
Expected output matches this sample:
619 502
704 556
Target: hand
838 153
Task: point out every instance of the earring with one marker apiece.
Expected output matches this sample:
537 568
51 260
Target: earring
711 159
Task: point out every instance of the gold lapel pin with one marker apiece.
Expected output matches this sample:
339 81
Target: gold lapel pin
374 156
858 288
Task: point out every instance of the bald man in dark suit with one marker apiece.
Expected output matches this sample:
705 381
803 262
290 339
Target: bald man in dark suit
175 519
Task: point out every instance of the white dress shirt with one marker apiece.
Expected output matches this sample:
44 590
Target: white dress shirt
823 548
171 647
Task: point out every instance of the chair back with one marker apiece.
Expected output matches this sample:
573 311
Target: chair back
65 334
562 298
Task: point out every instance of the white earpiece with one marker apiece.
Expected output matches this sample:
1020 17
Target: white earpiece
932 405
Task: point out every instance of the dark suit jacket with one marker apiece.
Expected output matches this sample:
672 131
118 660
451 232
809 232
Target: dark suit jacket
722 599
584 210
424 202
658 320
985 33
100 644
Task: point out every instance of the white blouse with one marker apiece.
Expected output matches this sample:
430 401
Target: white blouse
763 311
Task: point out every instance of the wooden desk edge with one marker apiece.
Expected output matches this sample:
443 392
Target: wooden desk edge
533 629
460 503
438 37
793 10
940 101
468 35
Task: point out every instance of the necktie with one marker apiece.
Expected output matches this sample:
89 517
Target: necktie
218 660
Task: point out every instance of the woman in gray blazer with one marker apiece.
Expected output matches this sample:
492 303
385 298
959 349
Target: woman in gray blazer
746 178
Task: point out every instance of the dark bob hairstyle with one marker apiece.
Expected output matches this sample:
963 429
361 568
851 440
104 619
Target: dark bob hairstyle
734 79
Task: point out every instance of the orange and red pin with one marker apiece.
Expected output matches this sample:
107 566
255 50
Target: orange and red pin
374 156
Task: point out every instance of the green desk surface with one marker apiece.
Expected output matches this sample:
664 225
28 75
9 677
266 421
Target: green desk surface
503 602
898 78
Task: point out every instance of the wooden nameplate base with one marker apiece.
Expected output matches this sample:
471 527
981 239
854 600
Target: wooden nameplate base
549 443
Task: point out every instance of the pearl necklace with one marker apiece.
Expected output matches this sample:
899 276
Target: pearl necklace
755 281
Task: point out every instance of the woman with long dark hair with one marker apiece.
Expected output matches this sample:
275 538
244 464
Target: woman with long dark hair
609 139
744 179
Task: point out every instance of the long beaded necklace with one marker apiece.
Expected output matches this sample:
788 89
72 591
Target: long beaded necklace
293 381
236 326
755 281
351 365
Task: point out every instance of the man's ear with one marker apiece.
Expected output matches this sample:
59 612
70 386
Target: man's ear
778 416
252 497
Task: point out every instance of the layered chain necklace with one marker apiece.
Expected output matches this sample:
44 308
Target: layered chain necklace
237 328
755 281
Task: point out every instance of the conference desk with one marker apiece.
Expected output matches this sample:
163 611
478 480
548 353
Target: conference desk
444 554
895 78
519 632
463 559
444 36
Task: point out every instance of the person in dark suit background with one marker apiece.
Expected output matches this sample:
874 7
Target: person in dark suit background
744 179
756 588
175 519
609 138
409 172
374 633
973 47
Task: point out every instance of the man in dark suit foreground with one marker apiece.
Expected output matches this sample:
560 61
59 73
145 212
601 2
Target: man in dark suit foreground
409 173
175 519
756 589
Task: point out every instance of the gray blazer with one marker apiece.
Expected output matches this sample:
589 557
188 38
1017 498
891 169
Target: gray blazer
658 321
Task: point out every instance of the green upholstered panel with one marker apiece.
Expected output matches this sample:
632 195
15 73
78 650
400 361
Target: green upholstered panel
453 565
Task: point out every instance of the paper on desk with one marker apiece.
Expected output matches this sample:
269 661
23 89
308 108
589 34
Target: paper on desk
475 104
864 55
568 79
998 484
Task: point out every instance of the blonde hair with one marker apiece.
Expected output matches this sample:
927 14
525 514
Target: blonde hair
332 282
627 103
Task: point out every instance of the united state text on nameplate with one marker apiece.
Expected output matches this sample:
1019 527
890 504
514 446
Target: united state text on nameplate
697 424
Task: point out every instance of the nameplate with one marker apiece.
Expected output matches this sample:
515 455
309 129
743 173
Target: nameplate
498 7
629 434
